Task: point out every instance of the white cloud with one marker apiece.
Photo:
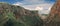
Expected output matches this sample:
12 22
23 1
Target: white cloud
18 3
33 6
37 5
39 8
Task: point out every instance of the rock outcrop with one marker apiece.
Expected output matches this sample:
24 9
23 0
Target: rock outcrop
54 16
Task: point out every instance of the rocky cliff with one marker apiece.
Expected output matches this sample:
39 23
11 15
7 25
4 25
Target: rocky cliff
54 16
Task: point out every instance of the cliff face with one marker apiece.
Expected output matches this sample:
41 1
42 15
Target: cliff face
11 15
55 11
54 16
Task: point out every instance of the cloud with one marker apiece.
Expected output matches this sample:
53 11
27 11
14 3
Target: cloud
33 4
45 6
37 1
18 3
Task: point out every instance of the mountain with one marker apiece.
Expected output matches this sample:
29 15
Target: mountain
12 15
54 16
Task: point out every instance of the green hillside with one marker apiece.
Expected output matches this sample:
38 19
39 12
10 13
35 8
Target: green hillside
11 15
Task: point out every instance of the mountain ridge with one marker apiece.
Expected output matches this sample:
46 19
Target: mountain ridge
12 15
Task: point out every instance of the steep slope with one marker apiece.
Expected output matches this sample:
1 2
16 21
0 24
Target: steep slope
54 17
11 15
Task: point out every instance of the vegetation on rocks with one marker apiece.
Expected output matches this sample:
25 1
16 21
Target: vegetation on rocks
11 15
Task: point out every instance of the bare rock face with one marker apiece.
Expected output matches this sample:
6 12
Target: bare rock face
11 15
54 17
55 12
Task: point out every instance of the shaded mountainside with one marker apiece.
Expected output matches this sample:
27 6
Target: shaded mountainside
11 15
54 16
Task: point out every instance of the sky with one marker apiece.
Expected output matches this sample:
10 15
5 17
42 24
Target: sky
43 6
